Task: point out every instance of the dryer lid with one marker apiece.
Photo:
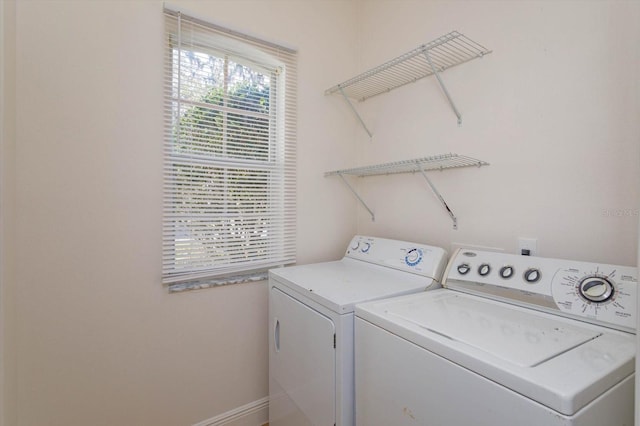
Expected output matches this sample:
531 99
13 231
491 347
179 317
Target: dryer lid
340 285
497 329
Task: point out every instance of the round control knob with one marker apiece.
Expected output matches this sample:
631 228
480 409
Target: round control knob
596 289
413 257
366 247
355 245
484 269
532 275
506 272
463 268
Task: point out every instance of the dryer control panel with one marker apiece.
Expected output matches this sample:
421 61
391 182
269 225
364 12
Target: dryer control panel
406 256
592 292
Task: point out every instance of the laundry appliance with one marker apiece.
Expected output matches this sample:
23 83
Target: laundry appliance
311 322
509 340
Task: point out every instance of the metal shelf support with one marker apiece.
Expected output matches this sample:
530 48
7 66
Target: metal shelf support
444 88
355 111
346 182
437 194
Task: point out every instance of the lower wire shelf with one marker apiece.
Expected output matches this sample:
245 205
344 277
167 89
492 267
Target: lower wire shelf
418 165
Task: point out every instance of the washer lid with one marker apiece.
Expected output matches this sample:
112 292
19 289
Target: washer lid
511 335
559 362
340 285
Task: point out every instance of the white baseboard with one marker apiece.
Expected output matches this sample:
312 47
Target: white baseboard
251 414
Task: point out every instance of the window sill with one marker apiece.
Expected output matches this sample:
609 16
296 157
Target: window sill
218 282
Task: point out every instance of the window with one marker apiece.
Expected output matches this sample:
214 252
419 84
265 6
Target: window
229 167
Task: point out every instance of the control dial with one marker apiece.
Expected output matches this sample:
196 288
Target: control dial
484 269
413 257
596 289
506 272
605 293
365 247
463 268
532 275
355 245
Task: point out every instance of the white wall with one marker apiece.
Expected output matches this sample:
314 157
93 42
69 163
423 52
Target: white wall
554 109
98 341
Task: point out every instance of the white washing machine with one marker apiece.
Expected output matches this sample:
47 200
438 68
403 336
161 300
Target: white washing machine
311 314
510 340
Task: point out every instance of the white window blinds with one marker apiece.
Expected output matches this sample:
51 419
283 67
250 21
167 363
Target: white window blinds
229 168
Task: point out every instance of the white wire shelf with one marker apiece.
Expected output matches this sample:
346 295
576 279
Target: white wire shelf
418 165
446 51
428 59
436 162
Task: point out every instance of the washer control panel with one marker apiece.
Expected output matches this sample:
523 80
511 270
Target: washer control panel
407 256
597 293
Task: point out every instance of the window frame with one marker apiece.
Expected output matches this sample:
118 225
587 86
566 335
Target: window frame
278 167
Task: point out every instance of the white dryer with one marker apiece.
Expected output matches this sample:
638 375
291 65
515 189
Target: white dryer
511 340
311 315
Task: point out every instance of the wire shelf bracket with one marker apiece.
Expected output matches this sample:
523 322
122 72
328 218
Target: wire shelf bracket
418 165
428 59
355 111
444 88
346 182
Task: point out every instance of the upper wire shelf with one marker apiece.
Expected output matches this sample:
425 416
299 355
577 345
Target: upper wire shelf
436 162
444 52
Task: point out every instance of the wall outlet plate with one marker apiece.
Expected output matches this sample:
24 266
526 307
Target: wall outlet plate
530 244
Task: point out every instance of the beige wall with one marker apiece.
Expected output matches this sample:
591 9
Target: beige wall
7 217
98 339
93 338
554 109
